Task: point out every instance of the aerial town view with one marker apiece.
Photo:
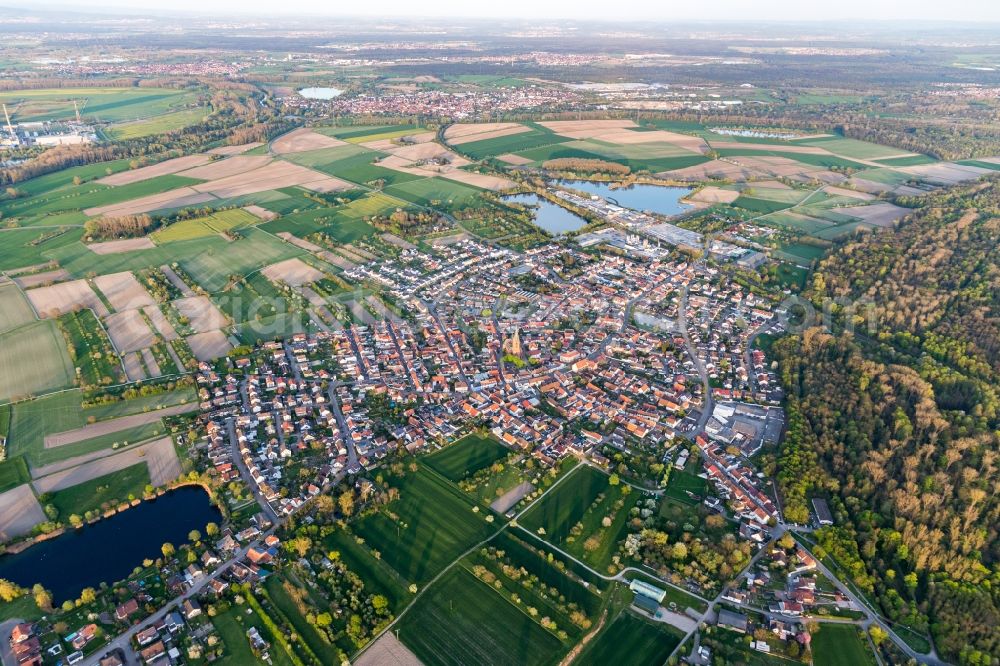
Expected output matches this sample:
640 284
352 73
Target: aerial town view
537 334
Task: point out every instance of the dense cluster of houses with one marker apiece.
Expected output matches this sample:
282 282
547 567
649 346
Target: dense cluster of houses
540 348
457 104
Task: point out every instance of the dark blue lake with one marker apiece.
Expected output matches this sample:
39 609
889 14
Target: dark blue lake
554 219
108 551
653 198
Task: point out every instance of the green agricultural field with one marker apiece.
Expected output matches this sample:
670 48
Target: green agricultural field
234 637
20 248
572 516
104 491
424 531
759 205
682 482
885 176
839 645
304 222
595 150
554 570
13 472
64 178
913 160
852 148
434 191
466 456
993 166
630 639
513 143
91 351
232 627
379 577
826 161
92 195
15 311
34 360
114 410
306 631
32 421
102 104
461 620
807 252
779 195
357 131
375 203
388 133
212 267
345 229
790 220
562 507
791 276
202 227
330 156
167 122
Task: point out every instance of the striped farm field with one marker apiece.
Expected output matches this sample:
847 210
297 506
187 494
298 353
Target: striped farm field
201 227
462 620
33 360
426 529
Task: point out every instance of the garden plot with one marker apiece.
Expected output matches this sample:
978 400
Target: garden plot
484 181
386 651
516 160
65 297
160 323
176 280
129 332
201 312
261 212
121 246
227 167
714 195
209 346
151 364
842 192
178 198
293 272
133 366
123 291
234 150
870 186
459 134
272 176
882 214
19 512
154 170
769 184
392 239
301 140
39 279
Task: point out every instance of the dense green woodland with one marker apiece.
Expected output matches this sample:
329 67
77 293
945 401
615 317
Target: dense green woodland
899 426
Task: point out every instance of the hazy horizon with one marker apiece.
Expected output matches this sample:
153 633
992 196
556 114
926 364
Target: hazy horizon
956 11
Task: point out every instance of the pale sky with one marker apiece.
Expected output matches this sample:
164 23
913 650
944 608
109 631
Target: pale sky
971 11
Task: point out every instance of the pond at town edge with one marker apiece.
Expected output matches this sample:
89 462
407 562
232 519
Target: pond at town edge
108 550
